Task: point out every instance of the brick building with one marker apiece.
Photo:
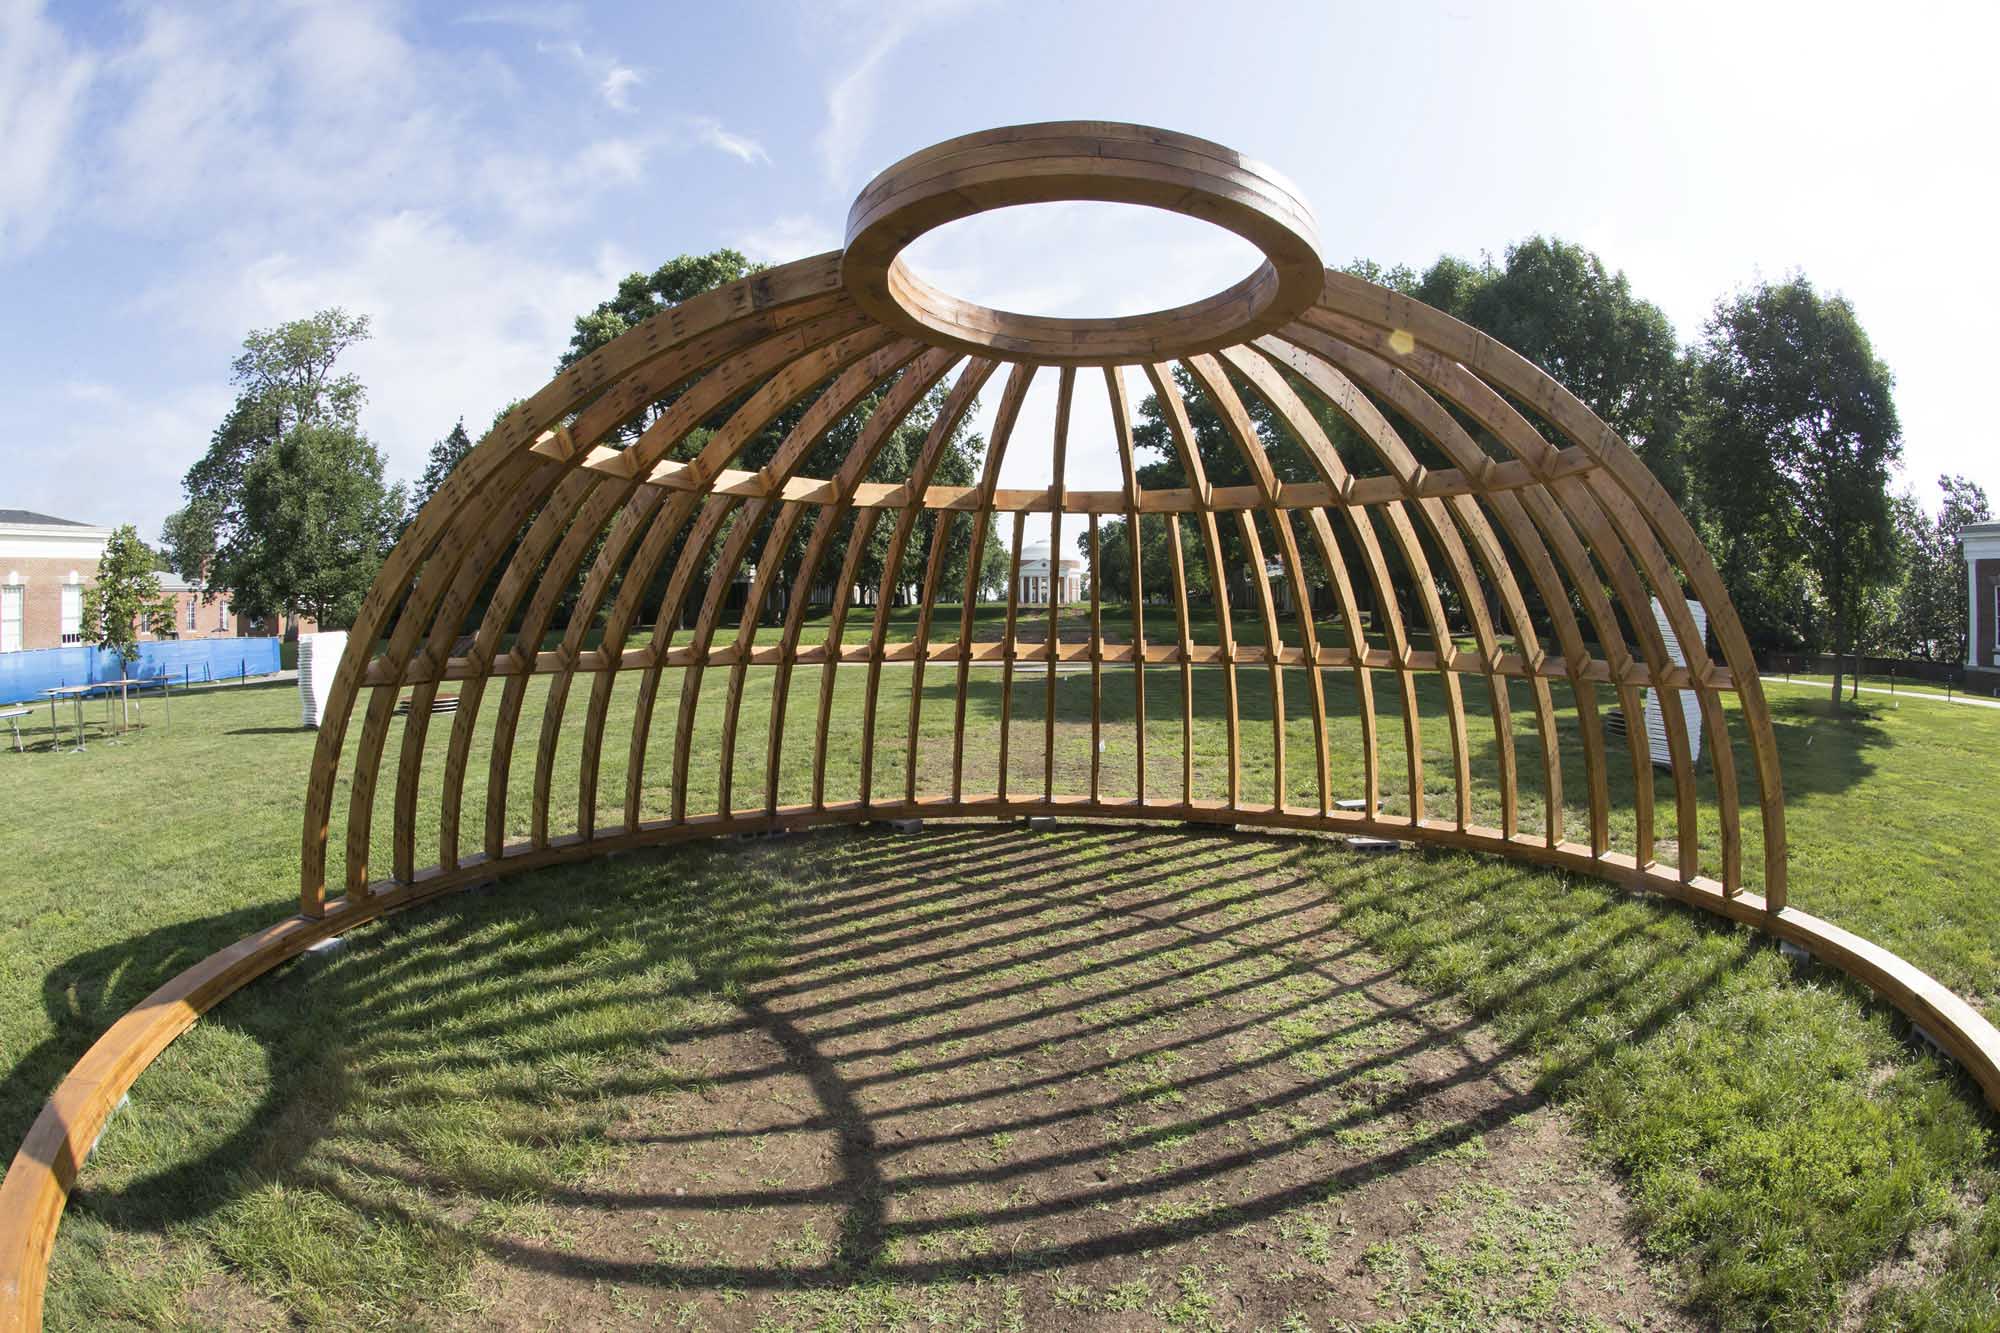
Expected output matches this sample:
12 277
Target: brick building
196 616
207 614
200 614
45 564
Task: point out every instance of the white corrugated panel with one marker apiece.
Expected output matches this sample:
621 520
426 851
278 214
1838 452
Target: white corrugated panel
1656 723
319 658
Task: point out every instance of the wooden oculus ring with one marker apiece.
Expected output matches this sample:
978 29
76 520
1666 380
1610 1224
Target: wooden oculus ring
1082 160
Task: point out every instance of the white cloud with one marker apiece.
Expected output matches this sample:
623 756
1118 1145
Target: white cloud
620 160
544 18
708 130
447 338
619 81
119 459
851 98
850 106
285 120
793 237
43 83
353 59
261 116
612 78
288 160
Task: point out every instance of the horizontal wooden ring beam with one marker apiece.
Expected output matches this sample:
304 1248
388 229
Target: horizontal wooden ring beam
1070 161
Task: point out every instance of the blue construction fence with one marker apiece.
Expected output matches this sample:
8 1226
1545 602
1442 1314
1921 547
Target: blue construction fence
24 675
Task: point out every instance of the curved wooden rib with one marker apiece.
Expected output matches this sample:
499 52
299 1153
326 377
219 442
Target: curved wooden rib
963 395
888 415
1065 392
758 345
1167 395
1540 497
1121 429
827 410
996 451
1379 433
1381 436
1422 411
1579 505
783 390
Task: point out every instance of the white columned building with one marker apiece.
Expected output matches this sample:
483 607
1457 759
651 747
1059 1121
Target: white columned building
1034 582
1980 544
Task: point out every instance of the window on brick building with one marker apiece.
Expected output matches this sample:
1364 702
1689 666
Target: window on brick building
72 613
221 617
11 598
191 611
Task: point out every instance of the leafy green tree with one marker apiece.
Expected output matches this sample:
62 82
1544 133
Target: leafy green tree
287 371
1931 617
285 378
125 601
639 297
317 521
445 455
1114 559
1771 584
1448 284
994 564
188 536
1879 610
1796 437
1114 556
1557 304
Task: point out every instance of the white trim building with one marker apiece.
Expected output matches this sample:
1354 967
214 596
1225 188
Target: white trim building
1980 544
1033 589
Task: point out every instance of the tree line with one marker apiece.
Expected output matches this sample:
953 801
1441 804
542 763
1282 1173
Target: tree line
1775 431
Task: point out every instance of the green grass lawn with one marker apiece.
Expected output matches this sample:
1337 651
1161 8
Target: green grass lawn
358 1138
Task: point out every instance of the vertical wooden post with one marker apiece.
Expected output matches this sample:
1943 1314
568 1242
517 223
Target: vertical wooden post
1065 389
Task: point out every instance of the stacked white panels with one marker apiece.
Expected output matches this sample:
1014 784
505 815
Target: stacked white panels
1656 722
319 658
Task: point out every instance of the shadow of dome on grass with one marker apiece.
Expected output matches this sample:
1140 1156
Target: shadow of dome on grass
973 1073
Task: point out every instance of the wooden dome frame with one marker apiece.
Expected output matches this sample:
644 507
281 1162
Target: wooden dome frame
1577 518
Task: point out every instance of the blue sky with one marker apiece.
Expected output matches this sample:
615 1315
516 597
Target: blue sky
172 175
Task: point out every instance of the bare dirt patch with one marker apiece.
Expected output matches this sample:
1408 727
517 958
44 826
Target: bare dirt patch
1097 1079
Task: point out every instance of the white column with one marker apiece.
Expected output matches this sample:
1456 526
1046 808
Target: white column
1971 609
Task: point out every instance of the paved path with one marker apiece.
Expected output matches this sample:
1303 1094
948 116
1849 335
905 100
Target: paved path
1965 699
